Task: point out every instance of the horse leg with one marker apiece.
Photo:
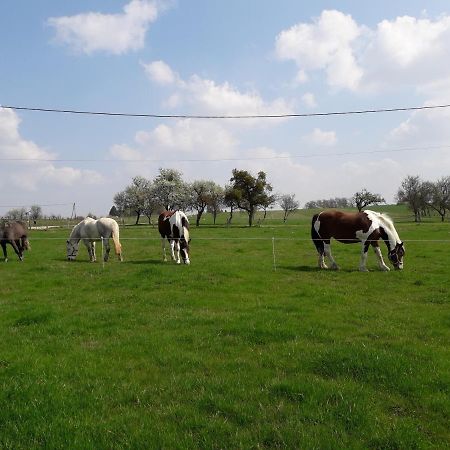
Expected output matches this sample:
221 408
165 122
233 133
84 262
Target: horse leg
93 252
16 249
381 262
177 248
88 245
321 262
107 249
327 251
20 247
173 243
363 261
5 253
163 246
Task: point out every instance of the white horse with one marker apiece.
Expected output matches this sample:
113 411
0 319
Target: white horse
90 231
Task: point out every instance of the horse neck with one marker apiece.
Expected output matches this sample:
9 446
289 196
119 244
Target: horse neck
392 238
75 234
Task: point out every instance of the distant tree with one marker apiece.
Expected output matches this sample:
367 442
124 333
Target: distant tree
17 214
437 196
170 191
250 193
229 200
206 196
288 204
311 204
120 203
365 198
134 197
411 192
217 201
201 197
270 201
337 202
35 212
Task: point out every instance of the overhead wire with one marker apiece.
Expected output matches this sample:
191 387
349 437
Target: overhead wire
256 158
240 116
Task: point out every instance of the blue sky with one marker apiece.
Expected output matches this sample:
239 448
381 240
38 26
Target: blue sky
220 58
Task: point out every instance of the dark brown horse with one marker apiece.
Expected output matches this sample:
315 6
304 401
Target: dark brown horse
366 227
16 234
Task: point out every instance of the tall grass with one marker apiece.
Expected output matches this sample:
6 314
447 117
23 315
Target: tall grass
226 352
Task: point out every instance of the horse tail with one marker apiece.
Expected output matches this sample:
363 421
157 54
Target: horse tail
115 236
315 236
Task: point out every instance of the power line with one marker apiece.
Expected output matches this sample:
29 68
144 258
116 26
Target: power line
249 116
143 160
37 204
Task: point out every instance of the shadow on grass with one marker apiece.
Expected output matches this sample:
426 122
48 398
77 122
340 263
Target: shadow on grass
145 261
316 269
300 268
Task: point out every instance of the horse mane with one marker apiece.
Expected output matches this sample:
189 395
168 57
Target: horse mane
388 224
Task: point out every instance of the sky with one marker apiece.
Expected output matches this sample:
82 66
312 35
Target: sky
217 58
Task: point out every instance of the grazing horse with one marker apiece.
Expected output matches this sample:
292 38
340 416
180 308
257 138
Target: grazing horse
90 231
16 234
174 226
366 227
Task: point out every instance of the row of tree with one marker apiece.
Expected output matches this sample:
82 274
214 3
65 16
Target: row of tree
33 213
424 197
250 193
169 191
245 192
360 200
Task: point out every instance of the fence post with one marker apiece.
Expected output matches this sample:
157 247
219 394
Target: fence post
103 256
273 251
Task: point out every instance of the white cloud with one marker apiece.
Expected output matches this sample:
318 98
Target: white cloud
203 96
321 138
160 72
29 175
112 33
426 127
185 139
325 44
309 100
402 52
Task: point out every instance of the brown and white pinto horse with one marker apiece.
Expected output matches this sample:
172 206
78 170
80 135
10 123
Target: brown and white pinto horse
174 226
366 227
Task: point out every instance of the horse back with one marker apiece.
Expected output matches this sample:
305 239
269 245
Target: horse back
13 231
173 224
342 226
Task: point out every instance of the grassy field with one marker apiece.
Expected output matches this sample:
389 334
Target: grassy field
251 346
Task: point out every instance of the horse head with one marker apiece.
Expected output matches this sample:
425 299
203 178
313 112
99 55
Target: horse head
72 249
396 255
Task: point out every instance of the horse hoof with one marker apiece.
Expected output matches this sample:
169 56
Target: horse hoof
363 269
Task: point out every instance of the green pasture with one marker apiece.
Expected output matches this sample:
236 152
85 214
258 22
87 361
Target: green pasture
251 346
